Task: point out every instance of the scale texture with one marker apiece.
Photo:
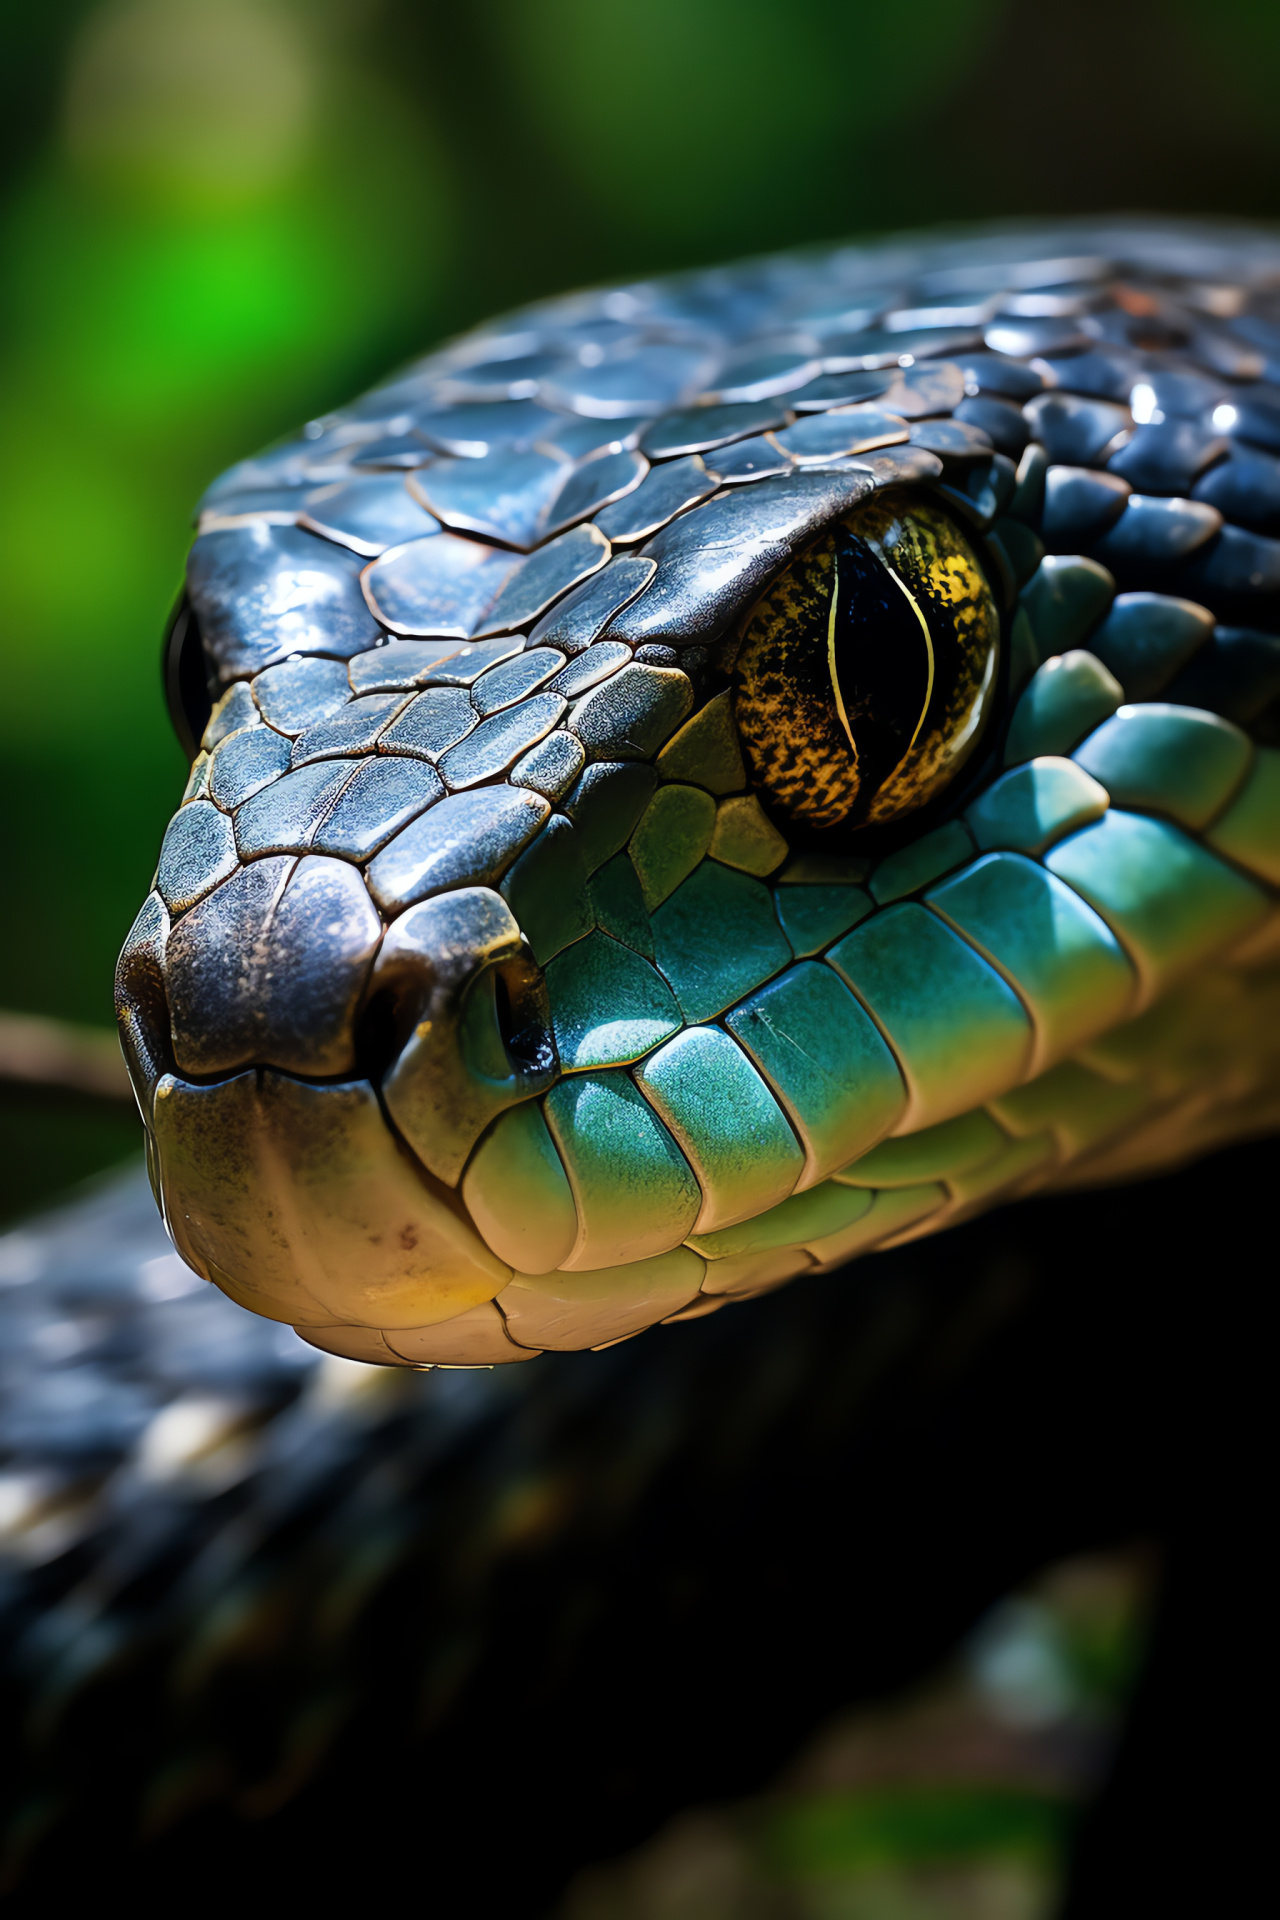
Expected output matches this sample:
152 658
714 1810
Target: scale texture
499 993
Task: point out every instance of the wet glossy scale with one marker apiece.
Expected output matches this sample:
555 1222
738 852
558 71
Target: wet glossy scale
761 722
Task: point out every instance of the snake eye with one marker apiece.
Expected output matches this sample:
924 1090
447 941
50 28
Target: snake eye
867 672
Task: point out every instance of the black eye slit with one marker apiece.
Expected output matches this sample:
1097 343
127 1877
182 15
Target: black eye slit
881 660
867 673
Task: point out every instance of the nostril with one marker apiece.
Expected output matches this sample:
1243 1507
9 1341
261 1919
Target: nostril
503 1028
457 1024
380 1032
523 1016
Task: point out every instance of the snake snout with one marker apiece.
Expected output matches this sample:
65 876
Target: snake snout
286 966
456 1025
314 1088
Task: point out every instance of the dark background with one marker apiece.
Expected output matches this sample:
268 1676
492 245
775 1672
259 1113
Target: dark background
218 217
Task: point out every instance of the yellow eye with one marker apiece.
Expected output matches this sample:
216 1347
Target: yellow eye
867 672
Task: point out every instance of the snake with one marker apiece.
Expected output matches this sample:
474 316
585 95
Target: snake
702 780
691 784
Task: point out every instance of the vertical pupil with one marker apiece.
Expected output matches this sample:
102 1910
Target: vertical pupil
866 672
881 662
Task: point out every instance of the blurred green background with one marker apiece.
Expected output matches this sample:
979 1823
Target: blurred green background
219 217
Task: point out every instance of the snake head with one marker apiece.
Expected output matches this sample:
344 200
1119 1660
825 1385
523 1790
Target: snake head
752 803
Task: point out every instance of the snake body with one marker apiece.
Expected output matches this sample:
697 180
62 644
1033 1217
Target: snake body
526 964
269 1614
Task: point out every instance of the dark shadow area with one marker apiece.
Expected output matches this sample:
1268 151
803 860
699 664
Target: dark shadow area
647 1576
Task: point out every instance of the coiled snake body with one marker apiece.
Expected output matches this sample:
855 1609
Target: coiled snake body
692 783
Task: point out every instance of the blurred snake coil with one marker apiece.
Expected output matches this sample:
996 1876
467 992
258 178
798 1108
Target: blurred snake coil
699 780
